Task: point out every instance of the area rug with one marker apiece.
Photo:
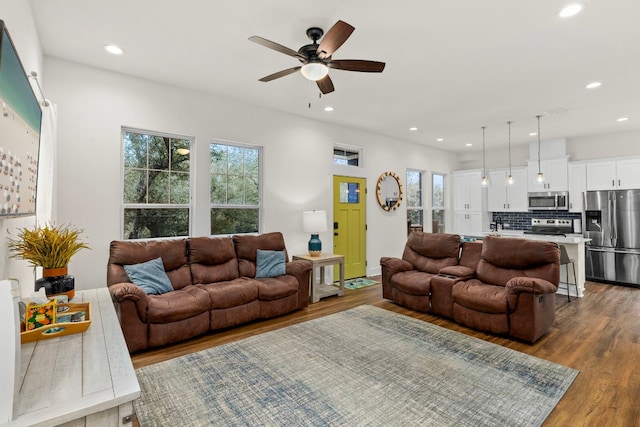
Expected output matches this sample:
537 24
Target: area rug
358 283
362 367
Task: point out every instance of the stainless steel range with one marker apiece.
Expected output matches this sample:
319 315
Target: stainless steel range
550 226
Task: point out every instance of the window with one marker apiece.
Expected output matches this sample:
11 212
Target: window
235 188
437 203
343 155
156 186
415 209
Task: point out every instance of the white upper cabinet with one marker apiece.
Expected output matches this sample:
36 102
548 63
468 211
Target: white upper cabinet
467 191
555 175
613 174
505 197
577 186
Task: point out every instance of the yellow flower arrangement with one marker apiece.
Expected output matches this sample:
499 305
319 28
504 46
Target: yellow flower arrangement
47 247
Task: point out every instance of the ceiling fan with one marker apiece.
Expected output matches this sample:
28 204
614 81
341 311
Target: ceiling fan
316 58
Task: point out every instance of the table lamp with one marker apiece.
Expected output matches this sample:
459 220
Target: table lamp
314 222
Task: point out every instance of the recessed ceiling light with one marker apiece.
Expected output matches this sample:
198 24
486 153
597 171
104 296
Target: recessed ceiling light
570 10
533 133
440 139
468 144
113 49
328 108
413 128
622 119
593 85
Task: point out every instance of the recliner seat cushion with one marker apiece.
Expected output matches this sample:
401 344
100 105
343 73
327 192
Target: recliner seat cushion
478 296
274 288
412 282
177 305
231 293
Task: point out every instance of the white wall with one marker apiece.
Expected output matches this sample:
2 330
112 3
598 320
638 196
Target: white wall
93 105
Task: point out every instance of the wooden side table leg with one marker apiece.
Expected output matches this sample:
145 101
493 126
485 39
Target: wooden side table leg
313 285
341 278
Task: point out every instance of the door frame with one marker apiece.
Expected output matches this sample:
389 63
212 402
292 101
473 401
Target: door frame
353 172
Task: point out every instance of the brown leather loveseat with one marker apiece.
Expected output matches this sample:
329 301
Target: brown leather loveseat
213 286
500 285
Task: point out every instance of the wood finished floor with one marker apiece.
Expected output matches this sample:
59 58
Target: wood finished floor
599 335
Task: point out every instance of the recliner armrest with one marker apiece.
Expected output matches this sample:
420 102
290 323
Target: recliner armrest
126 291
530 285
298 267
395 265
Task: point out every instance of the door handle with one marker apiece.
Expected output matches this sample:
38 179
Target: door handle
335 234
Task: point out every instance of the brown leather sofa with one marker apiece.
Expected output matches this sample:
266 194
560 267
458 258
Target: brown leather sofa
214 287
514 289
407 281
499 285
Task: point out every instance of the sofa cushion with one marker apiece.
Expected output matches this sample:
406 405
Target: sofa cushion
128 252
270 289
150 276
231 293
270 263
212 259
430 252
481 297
246 246
412 282
177 305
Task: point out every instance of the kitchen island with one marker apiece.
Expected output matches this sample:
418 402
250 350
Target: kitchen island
575 248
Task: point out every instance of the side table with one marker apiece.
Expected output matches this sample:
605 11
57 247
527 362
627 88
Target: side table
80 379
322 290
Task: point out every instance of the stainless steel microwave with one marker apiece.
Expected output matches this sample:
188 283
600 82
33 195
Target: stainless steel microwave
549 201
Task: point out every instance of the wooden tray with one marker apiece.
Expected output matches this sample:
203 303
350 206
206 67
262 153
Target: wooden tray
60 329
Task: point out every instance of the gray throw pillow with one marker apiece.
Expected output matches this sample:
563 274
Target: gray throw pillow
150 276
270 263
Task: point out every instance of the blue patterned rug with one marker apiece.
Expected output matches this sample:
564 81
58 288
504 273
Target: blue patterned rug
361 367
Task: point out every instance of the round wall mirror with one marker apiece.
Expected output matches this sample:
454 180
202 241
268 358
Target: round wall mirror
389 191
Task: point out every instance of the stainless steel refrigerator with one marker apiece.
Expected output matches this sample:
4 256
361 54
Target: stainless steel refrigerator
612 222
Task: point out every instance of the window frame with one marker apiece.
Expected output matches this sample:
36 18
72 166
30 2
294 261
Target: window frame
421 208
443 208
359 151
260 206
150 206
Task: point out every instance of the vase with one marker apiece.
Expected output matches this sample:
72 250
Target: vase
56 282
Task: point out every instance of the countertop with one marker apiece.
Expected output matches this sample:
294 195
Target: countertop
569 239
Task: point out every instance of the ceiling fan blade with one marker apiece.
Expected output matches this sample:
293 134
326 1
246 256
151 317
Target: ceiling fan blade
280 74
334 38
276 46
325 85
357 65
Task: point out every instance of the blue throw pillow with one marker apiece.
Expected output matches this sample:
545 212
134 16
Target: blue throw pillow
270 263
150 276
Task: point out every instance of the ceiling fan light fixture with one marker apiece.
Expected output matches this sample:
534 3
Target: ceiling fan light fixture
314 71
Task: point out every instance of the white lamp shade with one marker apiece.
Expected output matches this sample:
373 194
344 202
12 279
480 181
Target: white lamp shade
314 70
314 221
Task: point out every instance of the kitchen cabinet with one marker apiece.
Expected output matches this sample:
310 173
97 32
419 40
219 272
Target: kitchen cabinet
467 194
577 186
555 175
505 197
470 224
613 174
469 203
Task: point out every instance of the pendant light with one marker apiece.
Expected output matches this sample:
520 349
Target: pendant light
510 177
485 181
540 177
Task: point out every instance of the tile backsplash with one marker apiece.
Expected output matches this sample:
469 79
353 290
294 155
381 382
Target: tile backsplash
522 220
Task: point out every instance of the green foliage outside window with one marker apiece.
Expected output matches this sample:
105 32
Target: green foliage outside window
235 189
156 190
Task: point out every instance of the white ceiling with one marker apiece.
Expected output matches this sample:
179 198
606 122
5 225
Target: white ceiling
452 67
